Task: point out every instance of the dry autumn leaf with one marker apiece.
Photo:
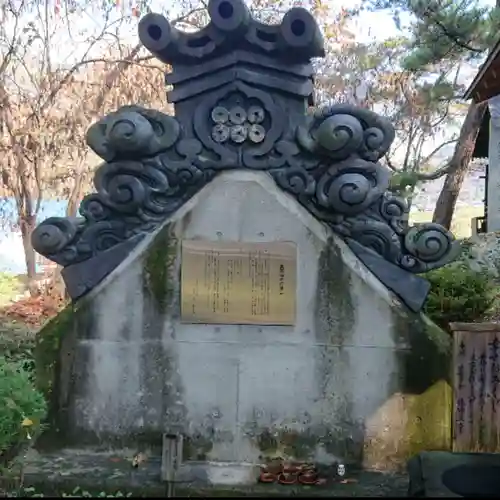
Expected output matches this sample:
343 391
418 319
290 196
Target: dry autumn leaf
33 311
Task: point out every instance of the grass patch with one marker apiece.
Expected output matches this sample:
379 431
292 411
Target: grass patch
10 286
460 225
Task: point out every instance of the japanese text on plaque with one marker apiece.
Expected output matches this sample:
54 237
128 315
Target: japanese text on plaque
238 283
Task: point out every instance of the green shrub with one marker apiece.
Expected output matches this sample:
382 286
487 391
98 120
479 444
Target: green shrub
458 294
17 343
22 407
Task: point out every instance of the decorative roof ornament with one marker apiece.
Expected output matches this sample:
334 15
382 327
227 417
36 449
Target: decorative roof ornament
232 29
241 90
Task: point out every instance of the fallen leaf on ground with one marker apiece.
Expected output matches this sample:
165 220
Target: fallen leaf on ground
32 311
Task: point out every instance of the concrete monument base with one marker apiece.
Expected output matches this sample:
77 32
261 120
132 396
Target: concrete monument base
358 379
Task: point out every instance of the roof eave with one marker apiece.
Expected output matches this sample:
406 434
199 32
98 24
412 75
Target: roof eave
494 53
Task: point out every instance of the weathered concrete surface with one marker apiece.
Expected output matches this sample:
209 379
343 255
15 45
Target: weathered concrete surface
358 379
95 473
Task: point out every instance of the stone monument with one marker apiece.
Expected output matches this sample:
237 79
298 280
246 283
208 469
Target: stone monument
242 277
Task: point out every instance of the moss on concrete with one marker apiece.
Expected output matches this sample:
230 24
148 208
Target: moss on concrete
346 439
285 443
429 357
158 263
267 443
48 358
335 310
196 447
47 348
428 425
297 445
303 445
426 388
428 380
417 416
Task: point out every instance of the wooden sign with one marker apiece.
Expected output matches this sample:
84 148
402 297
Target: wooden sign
238 283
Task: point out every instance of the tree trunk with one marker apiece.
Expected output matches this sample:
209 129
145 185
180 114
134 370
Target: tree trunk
459 164
73 203
27 224
76 193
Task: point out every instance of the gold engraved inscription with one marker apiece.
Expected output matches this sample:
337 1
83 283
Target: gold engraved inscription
238 283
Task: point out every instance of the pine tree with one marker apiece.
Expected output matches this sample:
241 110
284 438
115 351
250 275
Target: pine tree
444 35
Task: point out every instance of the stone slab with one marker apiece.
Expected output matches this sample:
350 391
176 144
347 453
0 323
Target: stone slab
112 472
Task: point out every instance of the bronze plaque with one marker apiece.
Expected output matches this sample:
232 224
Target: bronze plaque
238 283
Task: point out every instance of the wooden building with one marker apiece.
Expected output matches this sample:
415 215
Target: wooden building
486 86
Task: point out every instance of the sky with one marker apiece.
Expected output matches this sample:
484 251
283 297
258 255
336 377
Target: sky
377 25
369 25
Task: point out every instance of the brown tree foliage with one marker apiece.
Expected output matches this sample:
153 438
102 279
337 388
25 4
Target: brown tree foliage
48 98
58 74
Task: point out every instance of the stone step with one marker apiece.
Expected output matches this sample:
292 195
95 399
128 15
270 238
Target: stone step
97 472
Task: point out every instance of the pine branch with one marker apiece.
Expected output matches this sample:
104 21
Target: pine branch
445 31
